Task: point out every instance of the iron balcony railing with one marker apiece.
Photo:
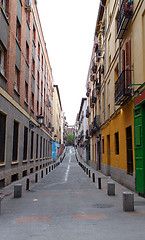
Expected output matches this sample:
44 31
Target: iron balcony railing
124 16
96 121
122 89
87 112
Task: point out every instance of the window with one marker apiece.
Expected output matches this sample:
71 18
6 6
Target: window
18 31
17 79
34 33
41 147
2 137
37 107
129 150
117 143
27 52
2 60
37 141
39 50
15 141
25 144
32 101
33 68
38 79
26 92
32 145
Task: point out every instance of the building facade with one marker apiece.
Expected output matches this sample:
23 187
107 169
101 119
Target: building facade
26 96
81 127
119 75
57 121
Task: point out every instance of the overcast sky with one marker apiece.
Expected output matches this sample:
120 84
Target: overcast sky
68 28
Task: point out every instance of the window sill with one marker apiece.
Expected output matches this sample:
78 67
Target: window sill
5 15
25 161
3 76
26 103
32 110
32 160
18 43
16 91
14 163
27 62
2 164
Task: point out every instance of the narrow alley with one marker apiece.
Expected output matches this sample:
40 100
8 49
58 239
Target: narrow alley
66 204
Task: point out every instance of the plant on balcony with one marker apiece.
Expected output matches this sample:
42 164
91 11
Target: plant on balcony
129 6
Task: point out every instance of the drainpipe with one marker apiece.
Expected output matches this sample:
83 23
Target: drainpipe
119 67
104 58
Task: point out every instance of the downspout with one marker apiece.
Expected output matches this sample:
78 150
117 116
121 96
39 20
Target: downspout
104 59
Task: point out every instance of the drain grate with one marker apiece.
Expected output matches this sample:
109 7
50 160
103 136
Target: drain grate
103 205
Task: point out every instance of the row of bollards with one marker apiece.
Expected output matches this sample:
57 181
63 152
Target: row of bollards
128 197
18 187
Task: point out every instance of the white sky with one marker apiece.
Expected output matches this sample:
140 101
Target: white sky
68 28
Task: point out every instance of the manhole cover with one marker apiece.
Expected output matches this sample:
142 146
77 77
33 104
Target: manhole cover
103 205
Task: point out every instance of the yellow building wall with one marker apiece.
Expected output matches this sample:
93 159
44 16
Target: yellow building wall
119 123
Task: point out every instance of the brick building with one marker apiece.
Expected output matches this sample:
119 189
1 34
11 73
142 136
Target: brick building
26 92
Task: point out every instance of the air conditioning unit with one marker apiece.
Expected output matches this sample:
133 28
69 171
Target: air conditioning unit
28 6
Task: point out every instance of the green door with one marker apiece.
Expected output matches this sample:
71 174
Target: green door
139 119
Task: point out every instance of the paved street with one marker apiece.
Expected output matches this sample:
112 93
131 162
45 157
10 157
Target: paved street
67 205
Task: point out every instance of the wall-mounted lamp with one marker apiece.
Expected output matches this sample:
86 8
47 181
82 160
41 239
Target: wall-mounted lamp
31 125
55 136
40 119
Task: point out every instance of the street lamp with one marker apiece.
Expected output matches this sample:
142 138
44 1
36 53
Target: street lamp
40 119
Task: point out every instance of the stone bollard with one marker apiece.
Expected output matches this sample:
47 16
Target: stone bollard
93 177
27 184
128 202
17 190
99 183
111 189
0 204
36 178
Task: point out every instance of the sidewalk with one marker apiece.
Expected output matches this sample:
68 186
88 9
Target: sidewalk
117 200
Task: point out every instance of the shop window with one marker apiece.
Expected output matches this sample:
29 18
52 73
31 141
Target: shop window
129 150
15 141
32 145
2 137
37 142
25 144
117 143
41 147
103 145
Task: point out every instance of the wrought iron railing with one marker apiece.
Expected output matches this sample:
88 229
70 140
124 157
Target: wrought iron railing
122 89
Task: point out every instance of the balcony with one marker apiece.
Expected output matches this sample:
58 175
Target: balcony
91 129
94 68
91 102
96 121
87 112
94 96
87 134
122 90
124 16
